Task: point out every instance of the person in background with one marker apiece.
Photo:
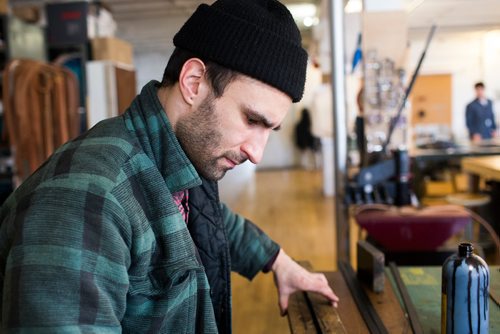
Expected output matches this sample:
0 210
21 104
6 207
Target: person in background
121 229
308 145
479 116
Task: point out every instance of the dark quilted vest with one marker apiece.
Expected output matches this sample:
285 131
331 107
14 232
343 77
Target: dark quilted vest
209 235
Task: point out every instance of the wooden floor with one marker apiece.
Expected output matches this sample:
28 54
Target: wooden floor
289 206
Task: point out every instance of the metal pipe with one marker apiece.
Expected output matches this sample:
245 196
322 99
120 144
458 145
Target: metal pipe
336 11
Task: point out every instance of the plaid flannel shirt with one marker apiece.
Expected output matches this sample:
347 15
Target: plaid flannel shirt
93 242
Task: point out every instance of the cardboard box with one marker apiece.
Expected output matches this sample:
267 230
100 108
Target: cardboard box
29 14
112 48
4 6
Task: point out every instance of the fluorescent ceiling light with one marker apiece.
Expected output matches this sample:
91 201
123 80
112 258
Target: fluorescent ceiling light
302 10
354 6
310 21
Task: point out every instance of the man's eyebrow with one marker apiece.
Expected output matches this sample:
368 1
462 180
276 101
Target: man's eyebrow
260 118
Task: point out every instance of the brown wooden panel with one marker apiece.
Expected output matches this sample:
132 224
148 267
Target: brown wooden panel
327 316
389 309
347 309
346 318
431 100
125 87
300 318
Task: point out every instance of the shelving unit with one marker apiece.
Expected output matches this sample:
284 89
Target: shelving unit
67 35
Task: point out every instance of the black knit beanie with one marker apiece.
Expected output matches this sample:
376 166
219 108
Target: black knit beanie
258 38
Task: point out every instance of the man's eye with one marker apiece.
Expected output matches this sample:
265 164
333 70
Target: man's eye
252 121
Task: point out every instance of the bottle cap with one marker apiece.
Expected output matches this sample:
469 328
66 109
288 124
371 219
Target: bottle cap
465 249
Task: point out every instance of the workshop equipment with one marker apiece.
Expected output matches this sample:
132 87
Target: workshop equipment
386 179
407 228
371 264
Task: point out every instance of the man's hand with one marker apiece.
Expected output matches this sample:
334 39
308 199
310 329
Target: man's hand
290 277
476 138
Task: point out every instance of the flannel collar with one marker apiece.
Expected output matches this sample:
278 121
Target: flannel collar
148 120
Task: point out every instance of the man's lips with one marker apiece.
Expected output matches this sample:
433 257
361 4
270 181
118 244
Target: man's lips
231 163
234 160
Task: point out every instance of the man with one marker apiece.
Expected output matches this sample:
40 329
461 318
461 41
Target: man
121 230
479 116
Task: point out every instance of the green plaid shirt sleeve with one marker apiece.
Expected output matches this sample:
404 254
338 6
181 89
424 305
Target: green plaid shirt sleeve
63 272
250 248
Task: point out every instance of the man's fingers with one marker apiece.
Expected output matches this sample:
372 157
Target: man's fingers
283 301
328 293
321 278
320 285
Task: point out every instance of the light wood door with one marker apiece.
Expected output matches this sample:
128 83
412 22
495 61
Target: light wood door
431 100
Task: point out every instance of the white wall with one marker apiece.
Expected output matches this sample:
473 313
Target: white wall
235 181
150 66
280 151
469 57
491 68
150 61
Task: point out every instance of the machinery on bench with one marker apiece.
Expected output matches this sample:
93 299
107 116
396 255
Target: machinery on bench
387 208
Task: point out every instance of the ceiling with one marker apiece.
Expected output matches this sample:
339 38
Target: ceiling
152 15
444 12
454 14
126 10
149 24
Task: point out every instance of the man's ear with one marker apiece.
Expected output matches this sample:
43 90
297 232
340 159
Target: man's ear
191 80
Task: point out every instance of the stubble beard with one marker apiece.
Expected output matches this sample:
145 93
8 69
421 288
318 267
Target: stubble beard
200 139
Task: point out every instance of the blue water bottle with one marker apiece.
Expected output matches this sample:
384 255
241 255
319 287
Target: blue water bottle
465 293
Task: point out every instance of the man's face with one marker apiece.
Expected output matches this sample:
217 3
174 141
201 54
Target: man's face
480 93
220 133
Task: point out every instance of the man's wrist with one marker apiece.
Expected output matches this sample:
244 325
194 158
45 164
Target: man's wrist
270 264
278 260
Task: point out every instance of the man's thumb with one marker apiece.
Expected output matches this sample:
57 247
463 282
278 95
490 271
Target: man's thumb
283 304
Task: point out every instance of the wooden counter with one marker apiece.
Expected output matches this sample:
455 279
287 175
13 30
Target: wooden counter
485 167
424 288
347 318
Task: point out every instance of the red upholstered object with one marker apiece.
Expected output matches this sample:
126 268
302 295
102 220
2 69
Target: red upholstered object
411 229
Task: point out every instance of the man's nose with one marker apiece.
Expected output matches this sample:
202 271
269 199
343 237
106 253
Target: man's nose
255 145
